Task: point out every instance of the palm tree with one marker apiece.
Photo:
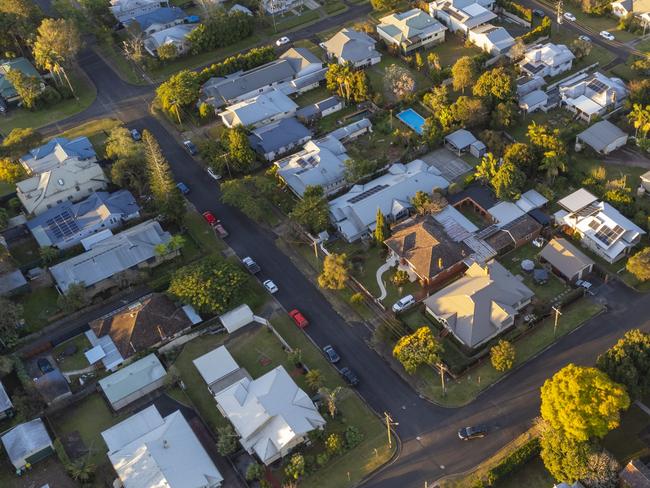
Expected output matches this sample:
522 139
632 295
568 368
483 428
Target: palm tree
553 163
640 118
331 398
314 379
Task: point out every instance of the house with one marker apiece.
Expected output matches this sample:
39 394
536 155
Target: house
566 260
318 110
7 91
601 227
623 8
462 141
548 59
263 109
273 7
147 450
13 283
134 381
354 47
67 224
423 245
645 181
492 39
603 137
144 324
115 261
72 180
481 304
219 369
590 96
411 30
527 84
157 20
533 101
354 213
512 227
463 15
352 131
274 140
52 386
176 35
6 407
27 443
240 8
56 152
635 474
123 10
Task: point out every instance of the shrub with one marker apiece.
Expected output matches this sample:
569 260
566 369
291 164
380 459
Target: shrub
544 29
513 461
400 277
334 444
353 437
255 471
356 298
322 459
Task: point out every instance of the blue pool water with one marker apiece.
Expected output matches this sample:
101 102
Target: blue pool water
413 119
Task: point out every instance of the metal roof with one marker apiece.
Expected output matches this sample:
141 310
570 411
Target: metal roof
270 138
132 378
601 134
215 365
24 440
577 200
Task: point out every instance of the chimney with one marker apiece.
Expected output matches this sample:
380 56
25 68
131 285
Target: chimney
165 444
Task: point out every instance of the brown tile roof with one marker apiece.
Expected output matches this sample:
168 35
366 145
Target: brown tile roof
152 320
517 229
635 475
424 243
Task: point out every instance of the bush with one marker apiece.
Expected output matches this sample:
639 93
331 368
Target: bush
334 444
400 277
517 9
544 29
322 459
513 461
357 298
353 437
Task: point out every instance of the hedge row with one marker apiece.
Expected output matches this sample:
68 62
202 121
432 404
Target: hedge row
544 29
517 9
511 463
241 62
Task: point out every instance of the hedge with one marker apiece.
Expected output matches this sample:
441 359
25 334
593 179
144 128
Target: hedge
517 9
513 461
241 62
544 29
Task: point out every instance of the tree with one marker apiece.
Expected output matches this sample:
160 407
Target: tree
19 141
400 277
335 272
470 112
582 403
295 467
12 315
334 444
628 362
383 4
48 254
639 265
518 50
421 201
419 61
255 471
350 84
432 132
120 144
602 471
58 42
508 182
502 356
167 52
639 92
240 155
226 440
398 81
496 83
174 244
494 141
380 227
28 88
210 285
18 21
639 117
238 194
564 458
74 298
82 470
353 436
416 349
463 73
553 163
433 60
314 379
358 167
10 171
581 48
504 115
331 398
312 211
180 91
486 169
437 98
521 156
129 168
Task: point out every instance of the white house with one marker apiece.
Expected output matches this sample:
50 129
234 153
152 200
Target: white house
602 228
491 39
134 381
175 35
592 95
350 46
535 100
603 137
463 15
56 152
127 9
411 30
264 109
72 180
546 60
148 450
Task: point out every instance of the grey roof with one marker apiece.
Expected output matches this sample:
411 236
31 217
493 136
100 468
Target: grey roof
300 58
256 110
461 139
577 200
52 386
273 137
132 378
344 132
350 45
310 111
481 195
5 402
10 282
498 36
111 256
25 440
410 26
565 257
601 134
533 98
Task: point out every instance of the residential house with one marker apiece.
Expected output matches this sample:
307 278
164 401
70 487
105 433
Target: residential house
219 369
27 443
157 20
533 101
352 131
144 324
274 140
566 260
56 152
147 450
115 261
176 35
512 227
623 8
13 283
463 15
354 47
318 110
603 137
411 30
462 140
7 91
72 181
645 181
123 10
527 84
601 227
240 8
133 382
481 304
67 224
592 95
548 59
491 39
6 407
264 109
423 245
635 474
274 7
354 213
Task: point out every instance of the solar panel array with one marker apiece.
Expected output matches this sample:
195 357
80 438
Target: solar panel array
367 193
531 68
62 225
597 86
590 209
607 235
594 224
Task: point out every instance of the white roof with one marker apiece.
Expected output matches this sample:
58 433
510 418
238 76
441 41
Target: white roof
577 200
585 105
95 354
149 451
269 413
215 365
533 98
111 358
601 134
505 212
237 318
530 200
5 402
132 378
24 440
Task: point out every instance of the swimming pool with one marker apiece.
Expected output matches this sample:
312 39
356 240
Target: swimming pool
413 119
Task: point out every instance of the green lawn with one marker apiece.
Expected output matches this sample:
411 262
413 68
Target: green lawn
452 49
377 73
331 122
624 442
85 92
202 233
78 359
600 23
6 188
293 21
313 96
306 43
334 7
533 474
40 307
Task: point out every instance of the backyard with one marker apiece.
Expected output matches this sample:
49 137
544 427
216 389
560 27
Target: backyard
40 306
69 355
377 73
630 440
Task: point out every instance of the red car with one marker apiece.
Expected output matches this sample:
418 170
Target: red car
210 218
299 318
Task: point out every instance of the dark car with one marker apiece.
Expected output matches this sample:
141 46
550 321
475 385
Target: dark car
538 13
183 188
191 148
349 376
468 433
331 354
44 365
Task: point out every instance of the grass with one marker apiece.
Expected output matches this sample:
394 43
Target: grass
331 122
532 474
202 233
295 21
336 6
124 68
6 188
26 252
624 442
96 130
306 43
377 74
452 49
78 359
602 22
556 119
313 96
23 118
473 216
40 307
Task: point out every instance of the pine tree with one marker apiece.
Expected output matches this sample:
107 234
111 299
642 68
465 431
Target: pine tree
379 228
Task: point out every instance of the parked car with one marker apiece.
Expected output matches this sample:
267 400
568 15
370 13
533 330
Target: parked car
282 41
270 286
349 376
213 174
299 318
209 218
191 148
468 433
584 38
406 302
183 187
569 16
583 284
215 223
607 35
539 242
538 13
332 355
251 266
135 134
44 365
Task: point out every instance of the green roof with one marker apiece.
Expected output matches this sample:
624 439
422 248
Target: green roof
7 90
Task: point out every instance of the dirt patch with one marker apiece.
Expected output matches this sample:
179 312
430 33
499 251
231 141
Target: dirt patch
49 471
73 444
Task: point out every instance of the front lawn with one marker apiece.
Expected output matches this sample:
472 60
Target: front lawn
625 442
75 361
532 474
40 307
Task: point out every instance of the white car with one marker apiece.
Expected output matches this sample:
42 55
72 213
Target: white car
270 286
585 38
213 175
569 16
607 35
282 41
404 303
538 241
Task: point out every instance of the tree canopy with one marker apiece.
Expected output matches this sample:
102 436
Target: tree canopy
463 73
502 355
628 362
565 458
639 264
19 141
398 81
312 211
348 83
335 272
497 83
417 349
179 92
12 314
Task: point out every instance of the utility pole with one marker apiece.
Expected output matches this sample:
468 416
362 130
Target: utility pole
557 317
389 424
558 17
442 368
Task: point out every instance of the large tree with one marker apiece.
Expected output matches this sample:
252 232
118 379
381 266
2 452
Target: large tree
398 81
18 22
521 156
502 355
639 117
312 211
628 362
582 403
358 166
463 73
179 92
12 314
508 181
639 264
240 155
11 171
336 271
497 83
240 194
348 83
27 87
565 458
417 349
58 42
469 112
129 167
380 227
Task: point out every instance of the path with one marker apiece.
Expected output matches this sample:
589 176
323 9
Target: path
380 271
628 156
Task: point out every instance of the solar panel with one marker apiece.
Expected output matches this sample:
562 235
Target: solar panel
588 210
63 225
594 224
607 235
367 193
597 86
